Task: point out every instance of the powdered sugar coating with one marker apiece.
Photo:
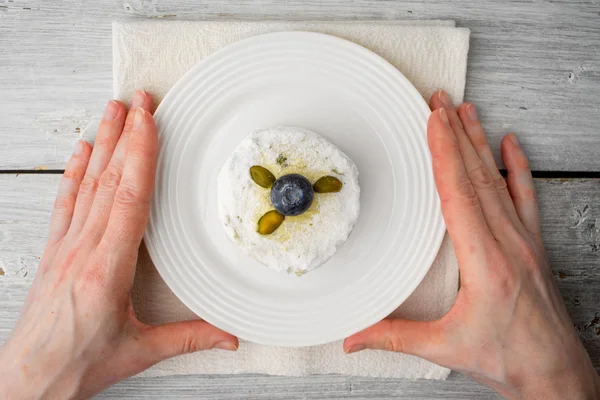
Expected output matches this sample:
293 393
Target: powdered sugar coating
301 243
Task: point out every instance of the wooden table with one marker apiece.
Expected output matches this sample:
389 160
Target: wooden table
534 68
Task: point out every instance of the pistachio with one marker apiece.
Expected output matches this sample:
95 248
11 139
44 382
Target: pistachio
269 222
282 160
262 176
327 184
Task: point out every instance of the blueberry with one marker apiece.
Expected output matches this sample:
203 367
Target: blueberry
292 194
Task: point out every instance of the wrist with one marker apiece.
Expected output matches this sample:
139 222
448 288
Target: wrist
576 385
25 377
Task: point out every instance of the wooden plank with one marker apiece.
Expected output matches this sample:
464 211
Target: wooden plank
534 67
318 387
571 225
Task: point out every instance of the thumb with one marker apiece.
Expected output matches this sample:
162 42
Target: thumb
170 340
422 339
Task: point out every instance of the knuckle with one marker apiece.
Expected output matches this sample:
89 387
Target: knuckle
505 282
465 192
462 191
73 174
393 341
464 187
504 279
88 186
504 276
189 344
528 254
111 178
65 203
66 263
104 142
393 344
128 126
143 147
479 141
438 161
90 279
142 152
500 183
94 275
480 176
444 150
522 162
129 195
500 268
524 196
529 195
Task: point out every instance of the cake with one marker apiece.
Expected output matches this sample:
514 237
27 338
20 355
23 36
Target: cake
288 198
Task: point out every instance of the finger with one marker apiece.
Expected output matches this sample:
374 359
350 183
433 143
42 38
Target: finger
436 101
520 184
170 340
131 206
462 212
422 339
481 180
476 134
111 177
67 191
104 145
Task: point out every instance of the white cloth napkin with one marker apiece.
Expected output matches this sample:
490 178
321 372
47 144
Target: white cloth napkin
153 55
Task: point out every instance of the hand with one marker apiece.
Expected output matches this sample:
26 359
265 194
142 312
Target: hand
77 333
508 328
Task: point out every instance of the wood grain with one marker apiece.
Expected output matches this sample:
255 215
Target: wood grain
571 226
318 387
534 67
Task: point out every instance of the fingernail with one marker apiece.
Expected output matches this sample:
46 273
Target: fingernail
228 346
356 348
444 99
472 112
444 116
112 109
138 99
139 119
514 140
78 148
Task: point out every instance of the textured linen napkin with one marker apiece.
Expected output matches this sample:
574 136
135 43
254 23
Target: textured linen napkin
153 55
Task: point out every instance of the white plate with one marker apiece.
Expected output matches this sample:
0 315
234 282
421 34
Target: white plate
356 100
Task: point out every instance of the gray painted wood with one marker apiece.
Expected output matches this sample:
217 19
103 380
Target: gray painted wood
534 67
571 225
317 387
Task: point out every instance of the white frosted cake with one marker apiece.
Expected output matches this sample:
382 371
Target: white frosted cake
289 198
